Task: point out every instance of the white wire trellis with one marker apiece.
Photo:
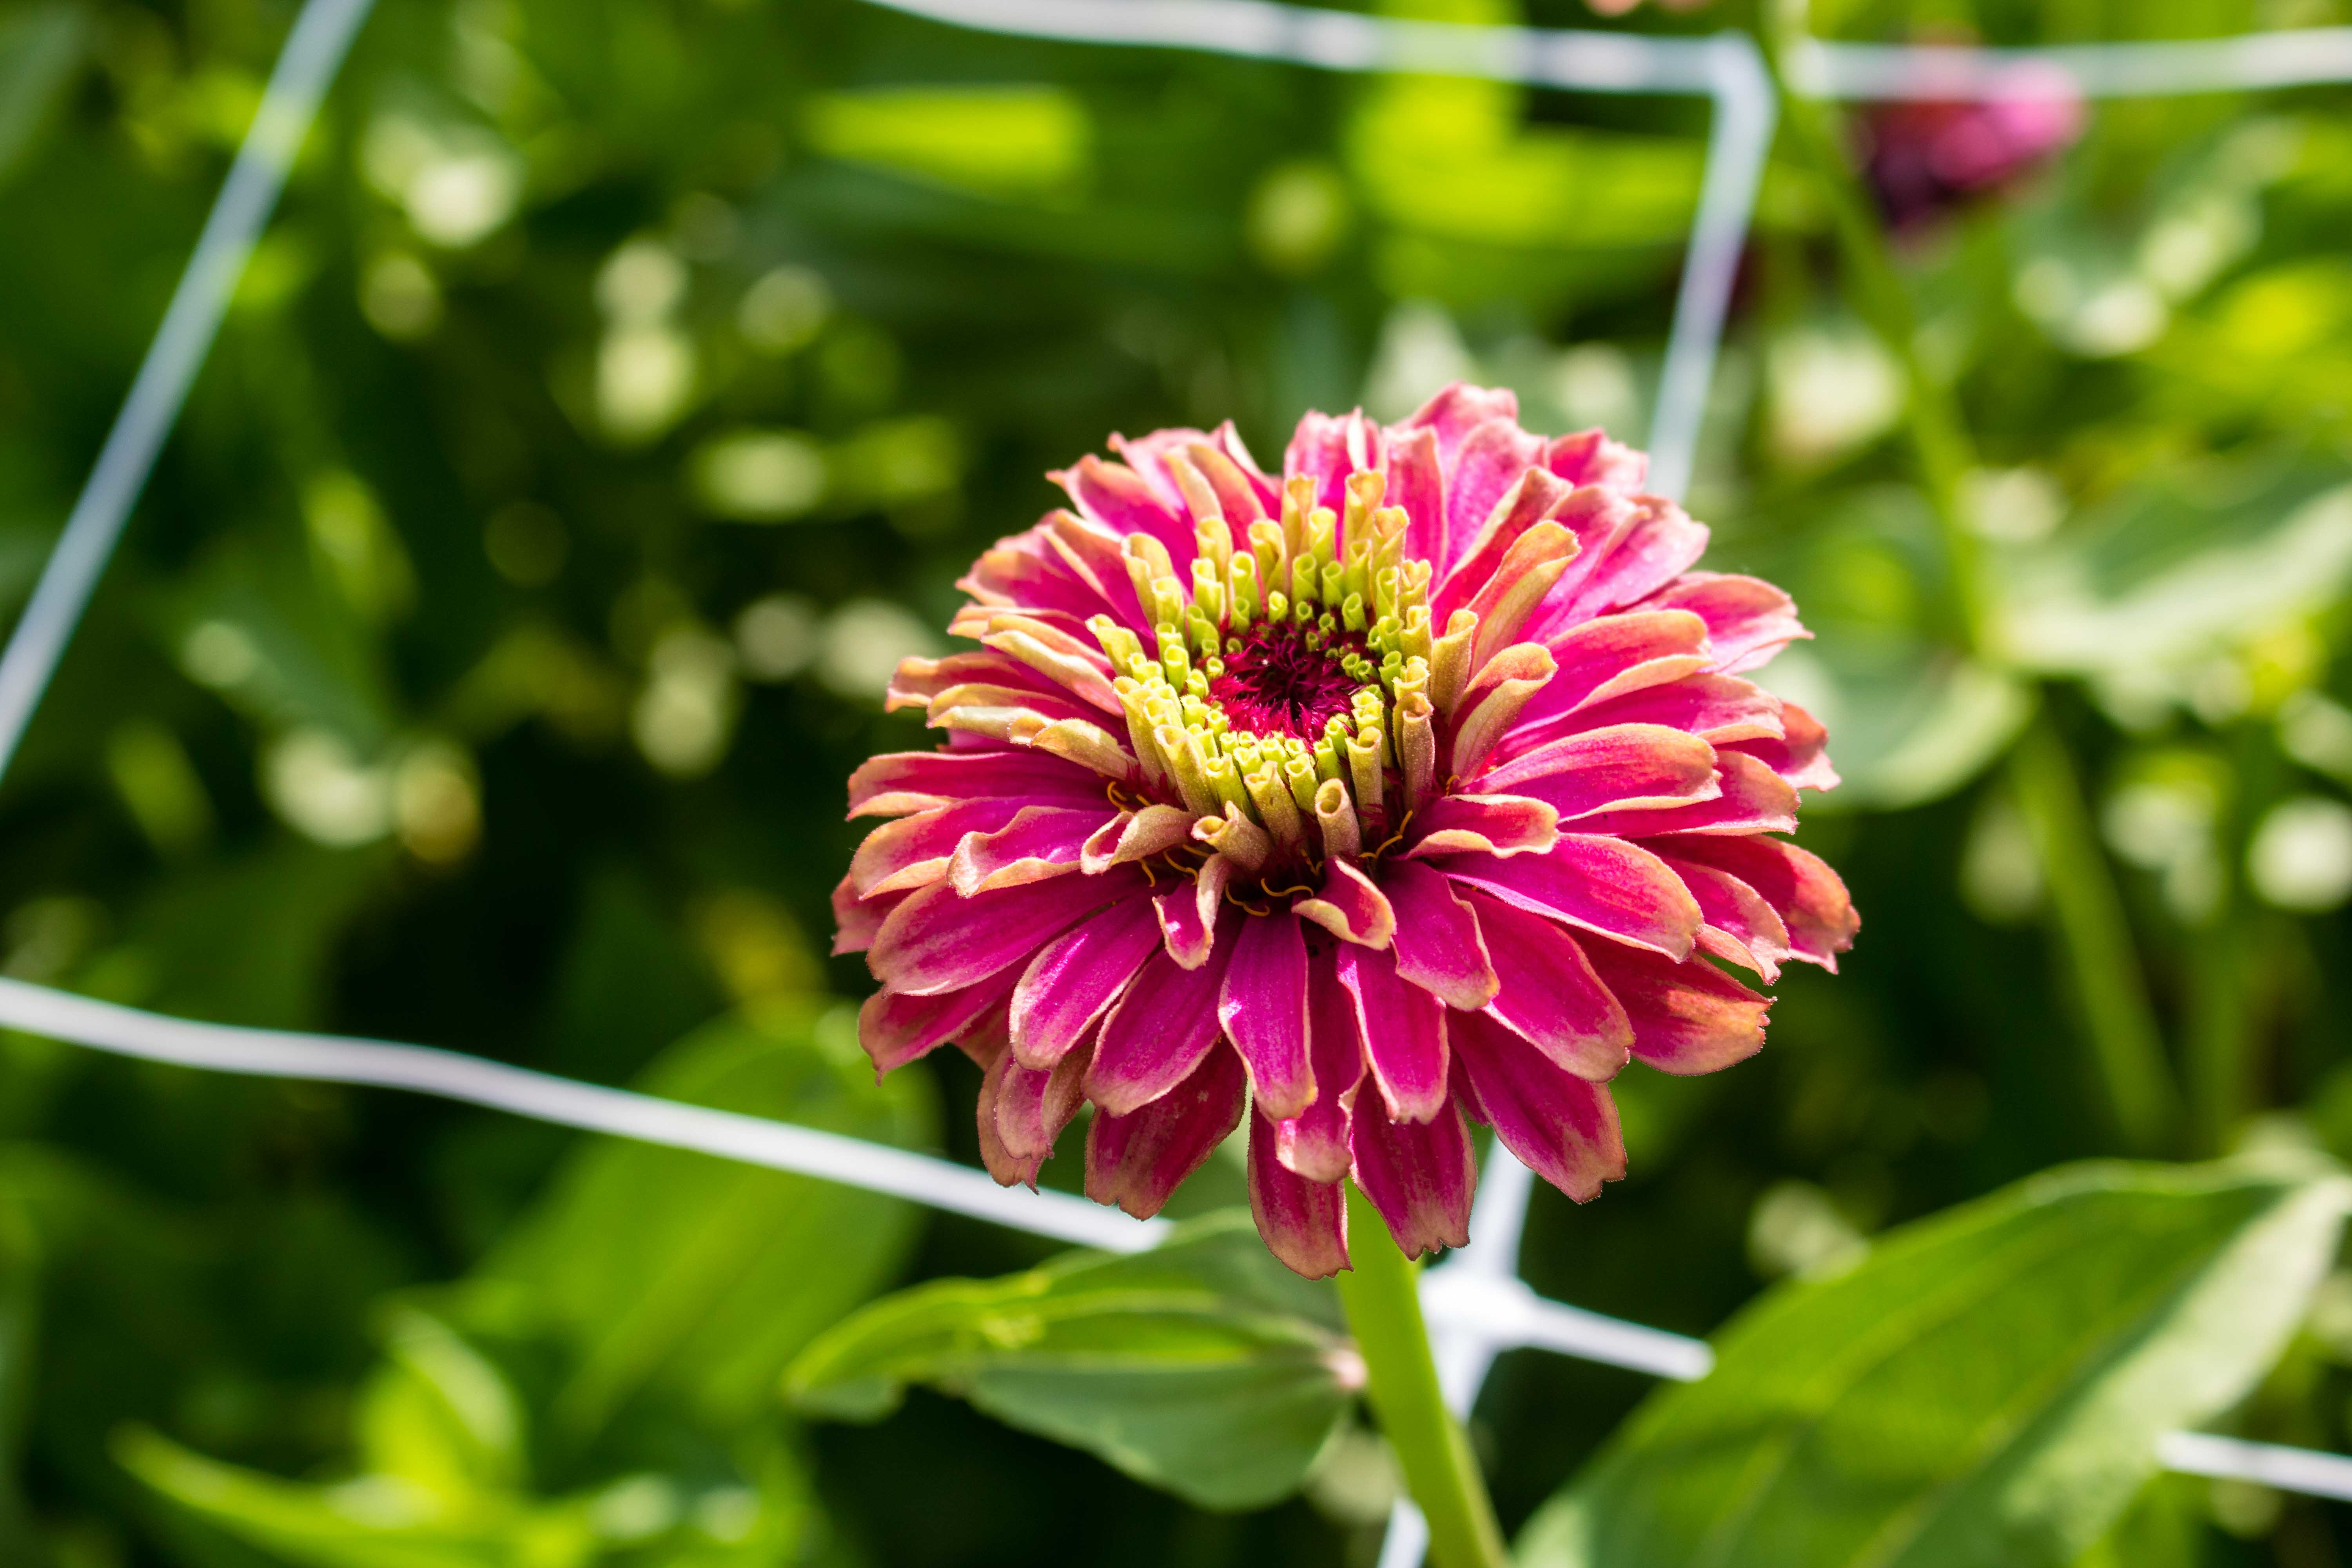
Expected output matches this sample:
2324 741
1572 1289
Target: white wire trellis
1476 1302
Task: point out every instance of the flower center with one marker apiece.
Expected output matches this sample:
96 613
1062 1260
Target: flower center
1284 680
1288 694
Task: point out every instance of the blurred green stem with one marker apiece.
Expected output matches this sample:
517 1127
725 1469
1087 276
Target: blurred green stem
1383 1302
2093 937
2089 916
2220 1031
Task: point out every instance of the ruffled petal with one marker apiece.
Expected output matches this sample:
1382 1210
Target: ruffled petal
1137 1161
1263 1009
1602 884
1077 976
1437 944
1810 899
1313 1143
1747 619
939 941
1042 841
1623 769
1118 498
1549 994
900 784
896 1028
1563 1127
1488 824
1688 1017
1750 798
1403 1030
1156 1034
1304 1222
1420 1176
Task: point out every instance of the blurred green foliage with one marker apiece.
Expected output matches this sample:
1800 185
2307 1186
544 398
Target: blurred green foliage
617 396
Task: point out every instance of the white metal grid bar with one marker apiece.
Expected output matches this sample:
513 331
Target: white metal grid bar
314 53
1475 1299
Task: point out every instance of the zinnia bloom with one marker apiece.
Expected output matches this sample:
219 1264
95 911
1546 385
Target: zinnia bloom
1925 158
1419 786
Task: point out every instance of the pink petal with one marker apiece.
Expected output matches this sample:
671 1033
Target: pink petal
1688 1017
1138 1160
1263 1009
1094 556
1628 769
1800 756
856 921
1600 658
896 1028
1319 451
900 784
1493 824
1800 886
1349 907
1009 1168
912 852
1529 498
1493 703
939 941
1549 994
1033 572
1116 496
1420 1176
1304 1222
1228 440
1075 976
1188 912
1042 841
1748 930
1437 945
1135 836
919 683
1417 484
1747 619
1717 709
1480 476
1158 1031
1604 885
1146 454
1563 1127
1456 410
1241 500
1403 1030
1591 457
1753 799
1033 1106
1313 1143
1655 543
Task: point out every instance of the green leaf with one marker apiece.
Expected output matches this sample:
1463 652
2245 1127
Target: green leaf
1202 1366
373 1522
439 1413
1986 1388
40 49
1015 143
661 1265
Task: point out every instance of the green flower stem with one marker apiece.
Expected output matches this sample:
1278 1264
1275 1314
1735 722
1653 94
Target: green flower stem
2093 937
2088 914
1383 1303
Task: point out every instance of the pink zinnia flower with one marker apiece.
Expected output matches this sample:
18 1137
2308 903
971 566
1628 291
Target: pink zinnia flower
1925 158
1420 785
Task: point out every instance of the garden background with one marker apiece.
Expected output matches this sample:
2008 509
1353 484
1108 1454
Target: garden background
617 398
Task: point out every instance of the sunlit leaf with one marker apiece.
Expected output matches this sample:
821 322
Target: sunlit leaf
1203 1366
661 1266
1986 1388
